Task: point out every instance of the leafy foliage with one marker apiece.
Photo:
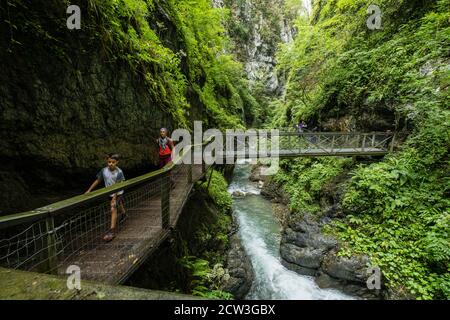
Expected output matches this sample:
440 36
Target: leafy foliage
394 78
176 47
217 190
205 278
212 233
304 178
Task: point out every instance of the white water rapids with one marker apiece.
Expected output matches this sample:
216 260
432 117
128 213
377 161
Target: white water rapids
260 234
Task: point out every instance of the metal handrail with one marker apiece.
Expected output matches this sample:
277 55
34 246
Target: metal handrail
313 133
63 205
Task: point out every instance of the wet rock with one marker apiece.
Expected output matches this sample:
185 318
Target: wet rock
324 281
273 192
300 270
256 174
238 194
304 257
306 250
351 269
239 268
307 233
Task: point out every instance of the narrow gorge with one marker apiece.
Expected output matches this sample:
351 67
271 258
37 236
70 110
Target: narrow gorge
326 225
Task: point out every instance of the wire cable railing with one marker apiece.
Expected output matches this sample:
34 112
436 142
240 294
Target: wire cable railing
69 232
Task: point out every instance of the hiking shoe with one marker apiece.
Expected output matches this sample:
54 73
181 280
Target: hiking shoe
109 236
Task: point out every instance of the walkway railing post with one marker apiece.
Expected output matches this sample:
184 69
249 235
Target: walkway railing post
50 246
392 142
190 167
165 200
332 143
203 160
364 142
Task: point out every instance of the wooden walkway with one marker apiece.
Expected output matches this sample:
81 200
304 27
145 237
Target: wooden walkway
138 236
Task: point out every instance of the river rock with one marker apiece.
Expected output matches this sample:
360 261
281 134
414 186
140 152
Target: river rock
300 270
351 269
304 246
304 257
256 174
239 268
274 192
238 194
307 233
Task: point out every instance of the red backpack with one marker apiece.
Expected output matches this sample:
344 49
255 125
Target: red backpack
168 150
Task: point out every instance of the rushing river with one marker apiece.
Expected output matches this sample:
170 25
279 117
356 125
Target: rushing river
260 233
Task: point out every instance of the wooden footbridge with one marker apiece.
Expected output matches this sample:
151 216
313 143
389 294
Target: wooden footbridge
54 237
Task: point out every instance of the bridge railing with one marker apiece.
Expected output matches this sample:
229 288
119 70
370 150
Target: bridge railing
337 142
48 238
291 143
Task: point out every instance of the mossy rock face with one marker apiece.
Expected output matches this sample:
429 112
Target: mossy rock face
64 106
21 285
68 97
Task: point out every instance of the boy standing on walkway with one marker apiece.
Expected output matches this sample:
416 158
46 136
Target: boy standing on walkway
110 175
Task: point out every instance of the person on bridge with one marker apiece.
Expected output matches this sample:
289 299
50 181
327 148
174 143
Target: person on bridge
166 146
301 126
111 174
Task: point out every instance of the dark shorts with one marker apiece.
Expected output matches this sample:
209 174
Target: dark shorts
164 161
119 200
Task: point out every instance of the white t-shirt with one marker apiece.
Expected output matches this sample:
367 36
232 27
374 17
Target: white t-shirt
111 177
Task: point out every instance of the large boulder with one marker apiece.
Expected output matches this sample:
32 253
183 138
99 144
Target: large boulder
305 257
256 174
300 270
272 191
351 269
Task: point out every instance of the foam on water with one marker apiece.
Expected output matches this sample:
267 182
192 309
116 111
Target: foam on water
260 234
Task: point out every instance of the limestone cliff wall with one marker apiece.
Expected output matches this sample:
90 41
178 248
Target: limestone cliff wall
69 97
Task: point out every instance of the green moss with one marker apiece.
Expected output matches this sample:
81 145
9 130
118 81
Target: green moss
21 285
304 179
217 190
205 227
395 78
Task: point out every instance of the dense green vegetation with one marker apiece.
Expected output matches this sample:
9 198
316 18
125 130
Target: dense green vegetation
216 77
71 96
177 51
343 76
206 269
303 179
